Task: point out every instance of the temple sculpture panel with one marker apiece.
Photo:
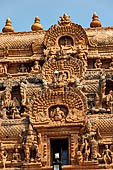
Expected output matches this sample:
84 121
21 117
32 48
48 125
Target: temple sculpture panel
56 96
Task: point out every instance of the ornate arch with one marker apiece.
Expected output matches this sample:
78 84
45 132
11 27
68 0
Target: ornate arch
72 66
73 100
65 28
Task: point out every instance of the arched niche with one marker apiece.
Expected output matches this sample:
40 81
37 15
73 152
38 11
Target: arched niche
65 41
48 100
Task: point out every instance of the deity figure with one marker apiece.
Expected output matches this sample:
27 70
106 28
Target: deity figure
98 63
4 157
65 20
36 68
22 68
89 143
97 102
16 156
93 140
74 115
79 157
106 155
23 87
15 108
31 146
81 54
109 100
6 98
57 114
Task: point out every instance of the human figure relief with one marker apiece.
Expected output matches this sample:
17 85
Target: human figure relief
22 68
98 63
36 68
57 114
89 143
16 156
106 155
31 146
4 158
109 100
79 157
74 115
23 87
6 101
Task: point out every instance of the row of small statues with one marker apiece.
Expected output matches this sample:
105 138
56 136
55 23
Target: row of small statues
98 64
29 155
22 68
105 157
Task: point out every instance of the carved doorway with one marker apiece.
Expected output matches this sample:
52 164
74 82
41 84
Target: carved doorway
59 146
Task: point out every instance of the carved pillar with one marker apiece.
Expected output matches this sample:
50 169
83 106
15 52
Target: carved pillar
74 147
45 150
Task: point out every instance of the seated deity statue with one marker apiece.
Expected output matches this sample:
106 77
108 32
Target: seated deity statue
36 67
74 115
16 156
58 114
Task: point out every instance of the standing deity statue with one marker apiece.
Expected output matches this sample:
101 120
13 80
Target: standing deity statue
4 158
23 88
106 155
6 97
89 143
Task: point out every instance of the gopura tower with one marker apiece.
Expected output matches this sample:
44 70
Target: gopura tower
56 96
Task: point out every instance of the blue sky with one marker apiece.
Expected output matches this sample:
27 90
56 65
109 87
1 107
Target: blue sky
22 12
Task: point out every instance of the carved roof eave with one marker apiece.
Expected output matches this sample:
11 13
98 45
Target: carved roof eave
77 124
100 55
22 40
22 60
12 128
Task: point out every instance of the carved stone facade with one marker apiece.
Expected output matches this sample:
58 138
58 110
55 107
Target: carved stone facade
56 97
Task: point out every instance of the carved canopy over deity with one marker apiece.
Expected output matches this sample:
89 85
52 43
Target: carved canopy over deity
58 106
66 34
72 67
